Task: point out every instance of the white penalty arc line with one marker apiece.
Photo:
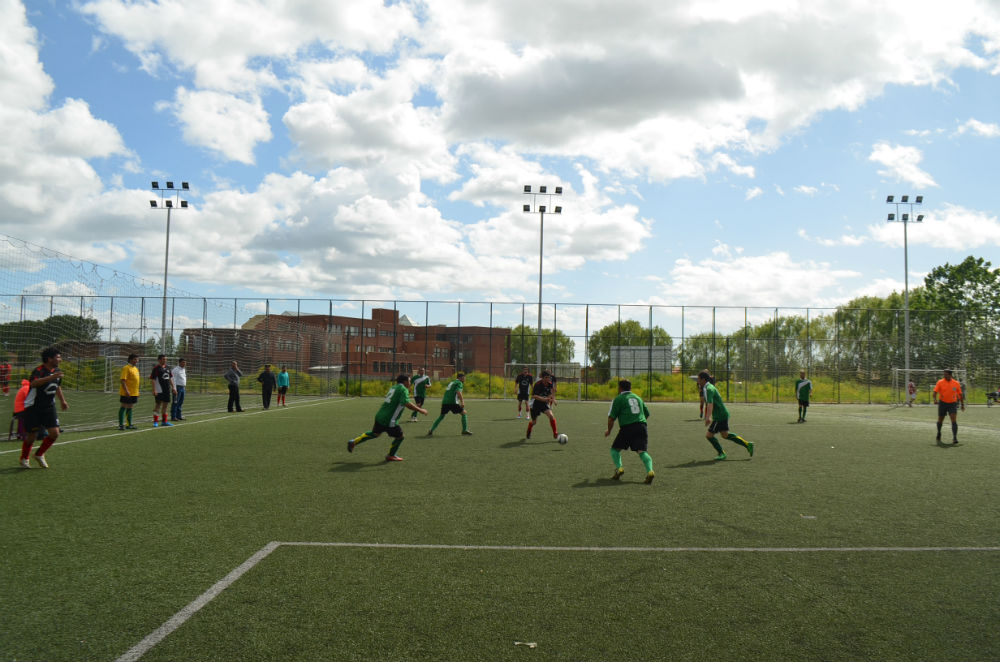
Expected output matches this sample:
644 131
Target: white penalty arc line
178 619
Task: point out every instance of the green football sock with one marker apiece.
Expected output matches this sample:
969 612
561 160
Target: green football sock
128 416
646 460
435 423
395 446
465 423
363 437
616 456
121 416
738 439
715 443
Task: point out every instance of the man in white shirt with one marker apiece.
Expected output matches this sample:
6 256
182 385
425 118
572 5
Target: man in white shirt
179 373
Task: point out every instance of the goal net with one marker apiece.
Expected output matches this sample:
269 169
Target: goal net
924 380
569 384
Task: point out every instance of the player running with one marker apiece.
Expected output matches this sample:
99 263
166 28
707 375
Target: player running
40 407
420 384
631 413
523 383
453 402
542 401
717 418
387 418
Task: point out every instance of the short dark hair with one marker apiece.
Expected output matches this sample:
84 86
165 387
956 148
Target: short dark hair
160 356
460 375
546 373
948 370
624 385
706 375
50 353
181 360
402 379
132 356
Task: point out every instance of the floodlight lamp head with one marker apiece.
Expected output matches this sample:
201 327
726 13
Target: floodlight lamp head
889 199
892 217
906 217
184 204
557 210
152 203
169 203
170 185
920 218
527 188
559 190
543 189
904 199
184 185
156 184
541 208
527 207
919 200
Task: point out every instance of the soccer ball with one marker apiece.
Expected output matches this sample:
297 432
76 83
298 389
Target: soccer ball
562 439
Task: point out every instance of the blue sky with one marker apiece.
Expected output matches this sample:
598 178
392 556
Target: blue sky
711 153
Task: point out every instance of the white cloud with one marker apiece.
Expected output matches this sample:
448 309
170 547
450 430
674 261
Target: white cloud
901 164
222 123
984 129
950 228
754 192
806 190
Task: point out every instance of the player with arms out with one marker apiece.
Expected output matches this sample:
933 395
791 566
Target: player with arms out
803 388
631 413
523 383
420 384
40 407
542 401
717 418
453 402
387 418
947 396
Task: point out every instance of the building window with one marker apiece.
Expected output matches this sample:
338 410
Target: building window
374 366
336 328
370 332
409 337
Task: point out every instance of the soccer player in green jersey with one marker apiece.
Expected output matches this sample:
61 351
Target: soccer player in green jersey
717 417
631 413
387 418
420 384
453 402
803 387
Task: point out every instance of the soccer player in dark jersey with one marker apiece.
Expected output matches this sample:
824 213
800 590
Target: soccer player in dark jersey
40 407
630 412
163 388
717 417
541 403
524 382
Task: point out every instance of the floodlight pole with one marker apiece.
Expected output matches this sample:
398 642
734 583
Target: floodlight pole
168 197
541 209
905 218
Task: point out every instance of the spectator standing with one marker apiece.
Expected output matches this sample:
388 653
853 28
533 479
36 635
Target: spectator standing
283 384
179 373
232 377
267 384
128 392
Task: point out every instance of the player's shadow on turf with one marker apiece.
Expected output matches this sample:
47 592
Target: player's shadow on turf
348 466
522 443
695 463
946 444
602 482
12 470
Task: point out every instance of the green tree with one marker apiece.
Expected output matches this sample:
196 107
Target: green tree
626 333
557 347
26 338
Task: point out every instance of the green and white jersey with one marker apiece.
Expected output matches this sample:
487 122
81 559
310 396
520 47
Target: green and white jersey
451 392
420 385
803 387
628 408
712 397
393 405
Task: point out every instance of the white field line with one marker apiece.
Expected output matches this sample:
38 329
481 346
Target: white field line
183 425
190 610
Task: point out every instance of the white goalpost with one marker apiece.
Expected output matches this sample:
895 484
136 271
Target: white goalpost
924 379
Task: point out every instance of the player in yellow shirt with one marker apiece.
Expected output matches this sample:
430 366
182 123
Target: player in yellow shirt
129 392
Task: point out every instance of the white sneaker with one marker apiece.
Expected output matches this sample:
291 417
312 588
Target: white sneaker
25 463
41 462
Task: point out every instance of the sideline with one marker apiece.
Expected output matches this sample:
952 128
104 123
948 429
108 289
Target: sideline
178 619
255 412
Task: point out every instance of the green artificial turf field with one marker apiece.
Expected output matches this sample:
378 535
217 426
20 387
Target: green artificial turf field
854 536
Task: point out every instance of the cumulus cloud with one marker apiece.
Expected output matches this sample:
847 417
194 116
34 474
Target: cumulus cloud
220 122
984 129
901 164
